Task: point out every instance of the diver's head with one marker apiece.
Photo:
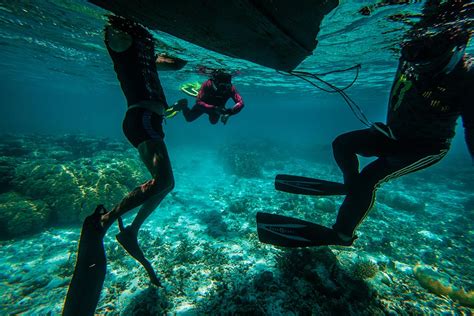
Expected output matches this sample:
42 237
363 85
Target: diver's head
438 52
222 81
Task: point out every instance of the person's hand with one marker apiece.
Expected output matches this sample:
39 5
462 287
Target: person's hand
224 111
225 118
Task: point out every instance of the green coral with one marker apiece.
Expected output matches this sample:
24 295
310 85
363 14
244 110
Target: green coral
21 216
364 269
73 189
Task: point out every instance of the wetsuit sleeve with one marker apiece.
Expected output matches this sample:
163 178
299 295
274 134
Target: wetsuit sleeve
205 88
239 102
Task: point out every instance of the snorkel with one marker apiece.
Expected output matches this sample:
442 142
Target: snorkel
221 81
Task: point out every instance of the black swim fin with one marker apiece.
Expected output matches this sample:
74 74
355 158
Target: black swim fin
308 186
129 242
89 273
285 231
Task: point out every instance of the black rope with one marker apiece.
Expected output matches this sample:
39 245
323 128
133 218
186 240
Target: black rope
306 76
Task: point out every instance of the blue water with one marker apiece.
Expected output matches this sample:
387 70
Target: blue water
56 79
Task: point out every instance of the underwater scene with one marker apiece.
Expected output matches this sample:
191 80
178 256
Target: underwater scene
249 178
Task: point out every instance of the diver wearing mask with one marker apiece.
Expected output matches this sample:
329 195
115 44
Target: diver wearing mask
211 100
433 87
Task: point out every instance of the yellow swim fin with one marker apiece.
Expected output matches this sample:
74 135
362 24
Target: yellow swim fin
191 88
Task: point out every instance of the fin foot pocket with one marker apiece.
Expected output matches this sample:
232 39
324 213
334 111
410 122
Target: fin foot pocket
128 240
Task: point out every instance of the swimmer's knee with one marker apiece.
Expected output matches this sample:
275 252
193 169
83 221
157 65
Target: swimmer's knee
117 40
161 186
339 143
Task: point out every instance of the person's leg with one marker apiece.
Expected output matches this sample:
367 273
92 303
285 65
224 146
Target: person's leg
213 118
361 196
155 156
192 114
366 142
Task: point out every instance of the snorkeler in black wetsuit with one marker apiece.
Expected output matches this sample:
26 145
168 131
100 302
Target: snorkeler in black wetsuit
433 87
131 48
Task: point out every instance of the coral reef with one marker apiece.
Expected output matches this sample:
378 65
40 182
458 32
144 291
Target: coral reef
242 160
21 216
306 282
63 181
364 269
216 227
151 301
7 173
203 244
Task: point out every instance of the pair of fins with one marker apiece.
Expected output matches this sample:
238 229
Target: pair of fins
291 232
91 264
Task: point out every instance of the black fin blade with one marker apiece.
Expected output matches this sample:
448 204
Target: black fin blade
286 231
308 186
89 273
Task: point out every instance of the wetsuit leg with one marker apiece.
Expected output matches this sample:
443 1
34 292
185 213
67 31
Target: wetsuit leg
197 110
192 114
213 118
367 143
361 192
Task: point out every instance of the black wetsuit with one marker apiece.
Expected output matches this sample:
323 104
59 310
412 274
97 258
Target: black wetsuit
422 115
136 71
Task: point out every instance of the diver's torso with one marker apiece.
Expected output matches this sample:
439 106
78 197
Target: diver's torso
136 71
424 110
216 98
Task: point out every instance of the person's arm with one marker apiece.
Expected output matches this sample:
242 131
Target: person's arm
239 102
205 88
